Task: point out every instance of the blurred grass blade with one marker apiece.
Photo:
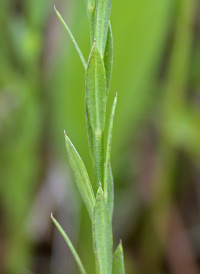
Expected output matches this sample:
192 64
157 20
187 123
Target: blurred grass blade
118 261
108 57
72 37
89 131
70 245
96 90
110 194
102 235
107 176
81 176
101 23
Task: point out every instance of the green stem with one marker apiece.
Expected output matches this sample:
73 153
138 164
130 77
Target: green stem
98 160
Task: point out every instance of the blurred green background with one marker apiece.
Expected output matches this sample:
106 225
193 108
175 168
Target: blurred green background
156 141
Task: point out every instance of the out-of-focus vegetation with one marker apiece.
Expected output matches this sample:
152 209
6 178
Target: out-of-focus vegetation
156 140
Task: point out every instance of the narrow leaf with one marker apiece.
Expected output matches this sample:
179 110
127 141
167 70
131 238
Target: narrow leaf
102 235
89 131
101 24
70 245
72 37
96 90
107 180
81 176
108 57
118 261
110 192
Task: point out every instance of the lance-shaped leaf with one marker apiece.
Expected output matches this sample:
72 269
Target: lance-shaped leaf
107 176
102 235
108 57
110 192
118 261
72 37
70 245
96 90
101 25
81 176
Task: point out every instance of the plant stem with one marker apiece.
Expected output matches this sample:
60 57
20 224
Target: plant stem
98 160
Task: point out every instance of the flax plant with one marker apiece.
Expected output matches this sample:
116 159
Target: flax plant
98 195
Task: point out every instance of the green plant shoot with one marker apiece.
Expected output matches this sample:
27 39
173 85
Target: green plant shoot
97 194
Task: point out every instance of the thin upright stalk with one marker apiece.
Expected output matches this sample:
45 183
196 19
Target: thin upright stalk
98 160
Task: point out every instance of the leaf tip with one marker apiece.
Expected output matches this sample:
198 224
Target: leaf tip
52 216
67 140
115 100
55 8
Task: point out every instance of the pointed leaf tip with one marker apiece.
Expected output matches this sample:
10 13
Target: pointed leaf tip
118 260
72 38
96 90
108 57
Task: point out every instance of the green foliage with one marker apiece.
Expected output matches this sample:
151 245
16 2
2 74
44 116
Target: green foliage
108 178
101 23
96 91
70 245
110 192
98 76
89 131
102 234
118 261
91 16
108 56
81 176
72 37
41 93
143 35
96 105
